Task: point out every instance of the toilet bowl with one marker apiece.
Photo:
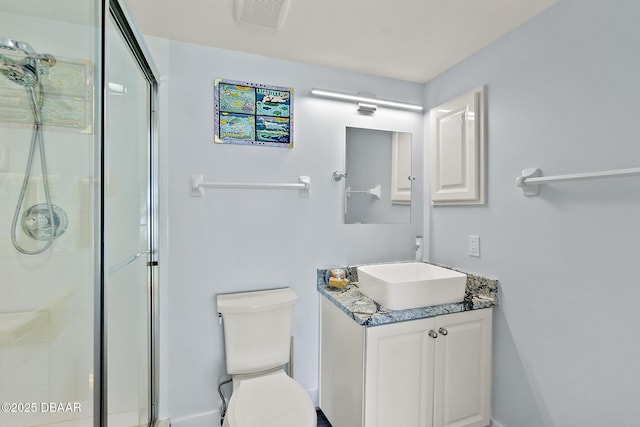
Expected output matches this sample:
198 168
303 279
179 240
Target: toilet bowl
257 331
270 400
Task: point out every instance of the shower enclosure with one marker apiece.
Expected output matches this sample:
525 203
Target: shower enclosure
78 215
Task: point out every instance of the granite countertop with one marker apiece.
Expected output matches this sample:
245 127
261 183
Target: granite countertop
480 293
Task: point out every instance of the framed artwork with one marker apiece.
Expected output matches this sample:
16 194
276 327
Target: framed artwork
252 114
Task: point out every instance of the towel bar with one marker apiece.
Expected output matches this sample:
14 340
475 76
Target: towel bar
531 179
197 185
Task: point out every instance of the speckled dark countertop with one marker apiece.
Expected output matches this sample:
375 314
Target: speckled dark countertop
480 292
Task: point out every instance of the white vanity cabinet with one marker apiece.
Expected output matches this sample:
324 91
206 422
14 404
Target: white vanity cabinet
432 372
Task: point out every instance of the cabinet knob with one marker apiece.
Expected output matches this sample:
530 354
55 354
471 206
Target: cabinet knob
433 334
443 331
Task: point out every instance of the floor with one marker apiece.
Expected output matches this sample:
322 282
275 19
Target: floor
322 420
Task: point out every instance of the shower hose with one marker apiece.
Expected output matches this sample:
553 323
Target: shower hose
36 102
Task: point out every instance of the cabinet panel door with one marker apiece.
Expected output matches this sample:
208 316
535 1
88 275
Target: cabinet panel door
399 375
341 366
457 150
401 168
462 386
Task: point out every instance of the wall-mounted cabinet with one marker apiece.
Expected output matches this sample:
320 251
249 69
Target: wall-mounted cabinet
433 372
458 150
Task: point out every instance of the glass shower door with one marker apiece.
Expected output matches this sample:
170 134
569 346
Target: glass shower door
47 288
127 198
75 308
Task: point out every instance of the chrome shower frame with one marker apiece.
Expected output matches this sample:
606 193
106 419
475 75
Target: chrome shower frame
123 19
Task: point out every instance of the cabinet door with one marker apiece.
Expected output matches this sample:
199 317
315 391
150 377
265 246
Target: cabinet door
401 168
399 375
341 366
462 386
457 149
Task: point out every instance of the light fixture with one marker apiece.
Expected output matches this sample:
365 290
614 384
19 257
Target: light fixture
367 108
366 100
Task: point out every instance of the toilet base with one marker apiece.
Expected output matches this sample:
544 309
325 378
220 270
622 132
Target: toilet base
270 399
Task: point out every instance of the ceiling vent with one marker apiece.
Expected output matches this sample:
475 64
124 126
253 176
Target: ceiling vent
262 13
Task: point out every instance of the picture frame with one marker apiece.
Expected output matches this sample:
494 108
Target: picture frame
248 113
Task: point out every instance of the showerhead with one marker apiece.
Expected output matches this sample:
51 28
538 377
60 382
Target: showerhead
18 72
25 71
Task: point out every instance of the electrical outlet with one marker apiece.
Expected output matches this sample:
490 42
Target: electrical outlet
474 246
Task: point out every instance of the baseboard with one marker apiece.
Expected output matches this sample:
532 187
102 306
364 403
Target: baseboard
494 423
203 419
162 423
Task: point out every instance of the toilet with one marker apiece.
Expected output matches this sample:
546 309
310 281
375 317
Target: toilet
257 330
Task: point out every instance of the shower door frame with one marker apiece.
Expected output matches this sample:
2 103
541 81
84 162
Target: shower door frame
123 20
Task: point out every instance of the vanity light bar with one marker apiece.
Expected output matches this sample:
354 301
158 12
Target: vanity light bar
365 99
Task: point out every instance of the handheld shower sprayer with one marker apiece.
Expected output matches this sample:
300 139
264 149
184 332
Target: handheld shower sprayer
44 221
25 71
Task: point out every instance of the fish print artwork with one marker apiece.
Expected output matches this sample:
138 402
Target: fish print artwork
253 114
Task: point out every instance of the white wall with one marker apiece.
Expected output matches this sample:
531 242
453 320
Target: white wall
562 95
232 240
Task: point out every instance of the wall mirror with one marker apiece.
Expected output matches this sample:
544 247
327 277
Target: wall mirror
377 186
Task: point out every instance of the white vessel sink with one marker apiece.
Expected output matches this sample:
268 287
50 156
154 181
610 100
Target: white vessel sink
401 286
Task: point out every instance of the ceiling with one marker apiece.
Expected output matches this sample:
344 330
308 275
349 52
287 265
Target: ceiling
412 40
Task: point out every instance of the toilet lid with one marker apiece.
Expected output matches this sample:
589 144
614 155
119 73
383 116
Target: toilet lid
272 400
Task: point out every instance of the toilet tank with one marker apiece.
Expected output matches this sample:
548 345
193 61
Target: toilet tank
257 329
